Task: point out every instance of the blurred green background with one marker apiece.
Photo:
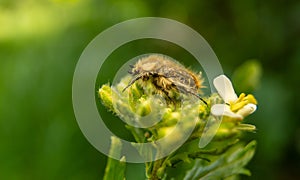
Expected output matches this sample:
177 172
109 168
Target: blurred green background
41 41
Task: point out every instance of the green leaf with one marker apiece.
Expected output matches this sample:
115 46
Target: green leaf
115 169
184 158
230 163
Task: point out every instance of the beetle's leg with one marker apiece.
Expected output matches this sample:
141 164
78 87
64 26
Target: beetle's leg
184 90
199 97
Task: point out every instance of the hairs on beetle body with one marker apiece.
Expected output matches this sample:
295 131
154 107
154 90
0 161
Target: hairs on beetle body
166 75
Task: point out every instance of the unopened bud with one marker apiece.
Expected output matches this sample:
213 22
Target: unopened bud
105 93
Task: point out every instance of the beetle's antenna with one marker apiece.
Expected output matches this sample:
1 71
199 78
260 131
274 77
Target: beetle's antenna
131 82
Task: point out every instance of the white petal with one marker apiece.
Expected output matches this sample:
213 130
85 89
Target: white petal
225 88
247 110
224 110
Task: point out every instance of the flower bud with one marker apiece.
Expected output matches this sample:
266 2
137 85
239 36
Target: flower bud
143 107
105 93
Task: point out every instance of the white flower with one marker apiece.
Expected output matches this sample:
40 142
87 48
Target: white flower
234 107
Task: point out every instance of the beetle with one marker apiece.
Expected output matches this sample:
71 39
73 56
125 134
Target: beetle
166 75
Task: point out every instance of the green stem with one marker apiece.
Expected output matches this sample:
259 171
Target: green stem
156 166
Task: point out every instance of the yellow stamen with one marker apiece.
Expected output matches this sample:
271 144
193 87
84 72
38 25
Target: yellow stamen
251 99
242 101
241 97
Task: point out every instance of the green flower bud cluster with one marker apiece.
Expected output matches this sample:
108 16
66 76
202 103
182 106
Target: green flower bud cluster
141 106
